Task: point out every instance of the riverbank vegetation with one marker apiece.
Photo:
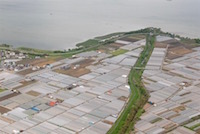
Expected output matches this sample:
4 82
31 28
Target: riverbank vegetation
138 96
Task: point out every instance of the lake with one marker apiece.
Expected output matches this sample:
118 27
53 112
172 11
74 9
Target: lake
60 24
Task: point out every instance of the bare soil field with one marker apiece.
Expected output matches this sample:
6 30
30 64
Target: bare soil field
170 126
26 83
3 110
26 61
33 93
147 106
187 44
84 63
36 62
9 96
108 122
129 39
177 51
179 109
160 45
198 131
123 98
137 37
3 118
26 71
115 45
76 71
45 61
39 62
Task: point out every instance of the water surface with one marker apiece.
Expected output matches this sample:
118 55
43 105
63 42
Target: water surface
60 24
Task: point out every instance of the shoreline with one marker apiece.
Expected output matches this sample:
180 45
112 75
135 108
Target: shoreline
93 44
133 52
74 46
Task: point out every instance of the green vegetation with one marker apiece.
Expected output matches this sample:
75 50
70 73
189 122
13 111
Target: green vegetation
195 126
34 51
145 31
119 51
59 51
1 90
88 43
197 41
109 36
5 45
156 120
188 42
192 120
138 95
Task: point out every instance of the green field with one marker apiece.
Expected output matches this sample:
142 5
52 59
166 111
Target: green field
195 126
88 43
119 52
1 90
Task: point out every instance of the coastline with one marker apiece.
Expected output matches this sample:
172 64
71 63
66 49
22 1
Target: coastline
117 50
74 45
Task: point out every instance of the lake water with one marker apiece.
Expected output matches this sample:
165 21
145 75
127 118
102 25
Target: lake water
60 24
